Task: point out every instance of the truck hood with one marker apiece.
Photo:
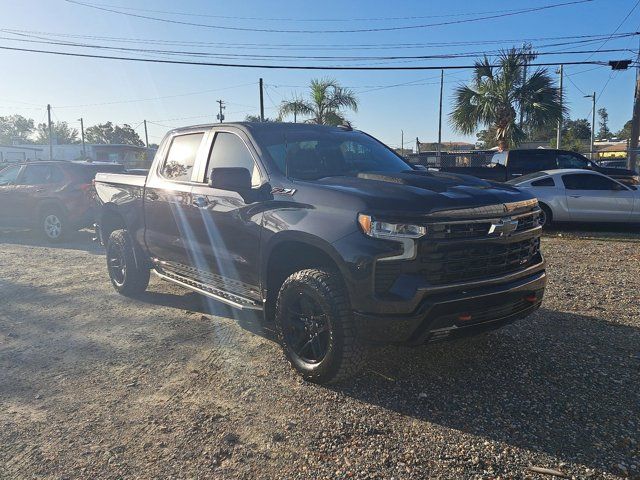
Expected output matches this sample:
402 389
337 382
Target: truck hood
422 192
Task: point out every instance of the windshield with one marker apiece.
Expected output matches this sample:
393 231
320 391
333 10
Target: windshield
311 155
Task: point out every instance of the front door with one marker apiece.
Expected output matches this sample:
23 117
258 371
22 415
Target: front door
596 198
227 226
168 235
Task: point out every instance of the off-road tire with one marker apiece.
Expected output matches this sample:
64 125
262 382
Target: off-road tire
132 278
345 354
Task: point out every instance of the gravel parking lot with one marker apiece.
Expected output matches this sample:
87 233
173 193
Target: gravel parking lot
95 385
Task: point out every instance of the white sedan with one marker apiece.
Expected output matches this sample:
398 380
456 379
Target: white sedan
581 196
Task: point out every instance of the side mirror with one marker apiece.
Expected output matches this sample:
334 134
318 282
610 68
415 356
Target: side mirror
235 179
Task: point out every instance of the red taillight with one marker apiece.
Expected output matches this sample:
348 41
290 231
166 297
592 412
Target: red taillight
531 298
465 317
85 187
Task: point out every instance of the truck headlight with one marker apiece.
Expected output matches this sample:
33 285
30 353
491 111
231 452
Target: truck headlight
379 229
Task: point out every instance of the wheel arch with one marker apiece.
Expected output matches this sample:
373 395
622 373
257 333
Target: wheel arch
290 252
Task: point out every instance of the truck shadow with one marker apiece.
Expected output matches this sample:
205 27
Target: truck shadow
81 240
558 383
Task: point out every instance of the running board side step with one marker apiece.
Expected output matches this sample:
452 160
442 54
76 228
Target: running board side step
236 301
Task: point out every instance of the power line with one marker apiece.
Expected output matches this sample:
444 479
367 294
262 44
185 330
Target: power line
294 19
361 30
618 27
351 46
309 57
282 67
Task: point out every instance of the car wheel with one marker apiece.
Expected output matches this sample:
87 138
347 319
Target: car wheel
127 277
316 328
53 224
545 216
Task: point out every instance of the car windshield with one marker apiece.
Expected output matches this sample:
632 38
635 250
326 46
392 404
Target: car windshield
526 178
312 154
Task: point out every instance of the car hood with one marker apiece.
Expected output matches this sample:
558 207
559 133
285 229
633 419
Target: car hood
420 192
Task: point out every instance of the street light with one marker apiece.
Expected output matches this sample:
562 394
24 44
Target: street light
593 121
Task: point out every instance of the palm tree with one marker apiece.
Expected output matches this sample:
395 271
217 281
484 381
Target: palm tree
497 93
325 106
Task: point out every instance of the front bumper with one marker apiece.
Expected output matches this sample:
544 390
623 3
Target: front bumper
455 314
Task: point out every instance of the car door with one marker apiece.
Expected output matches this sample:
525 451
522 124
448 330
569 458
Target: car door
8 178
33 187
168 235
226 224
595 198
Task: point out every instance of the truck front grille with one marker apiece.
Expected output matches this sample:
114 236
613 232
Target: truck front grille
443 263
479 228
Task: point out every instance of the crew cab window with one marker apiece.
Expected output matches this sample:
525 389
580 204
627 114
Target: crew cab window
544 182
230 151
178 165
40 175
585 181
531 160
9 175
568 160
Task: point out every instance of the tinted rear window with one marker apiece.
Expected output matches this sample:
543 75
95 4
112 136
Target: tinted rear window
532 160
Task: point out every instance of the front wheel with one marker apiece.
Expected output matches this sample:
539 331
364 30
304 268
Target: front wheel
316 328
127 277
545 216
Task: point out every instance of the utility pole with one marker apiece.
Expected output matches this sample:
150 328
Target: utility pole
222 107
146 134
635 121
402 142
261 101
84 151
440 116
559 133
593 121
526 50
50 132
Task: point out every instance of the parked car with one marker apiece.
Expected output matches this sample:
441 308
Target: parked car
329 233
52 197
515 163
613 163
574 195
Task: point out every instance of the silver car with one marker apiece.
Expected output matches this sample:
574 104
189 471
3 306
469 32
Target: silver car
573 195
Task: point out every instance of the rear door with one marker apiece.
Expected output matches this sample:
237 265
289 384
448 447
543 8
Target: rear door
36 184
522 162
167 198
8 179
596 198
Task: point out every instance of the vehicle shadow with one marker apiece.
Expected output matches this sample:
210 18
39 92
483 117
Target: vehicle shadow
81 240
558 383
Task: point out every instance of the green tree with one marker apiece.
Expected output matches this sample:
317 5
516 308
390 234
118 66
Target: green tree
16 128
62 133
498 93
625 133
325 106
108 133
603 122
256 118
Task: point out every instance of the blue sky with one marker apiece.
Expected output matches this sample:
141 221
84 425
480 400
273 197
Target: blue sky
96 89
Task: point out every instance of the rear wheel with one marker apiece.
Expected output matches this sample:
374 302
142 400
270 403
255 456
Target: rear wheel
545 216
316 328
52 224
127 277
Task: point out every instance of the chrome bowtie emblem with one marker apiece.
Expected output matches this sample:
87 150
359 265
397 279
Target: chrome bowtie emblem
504 226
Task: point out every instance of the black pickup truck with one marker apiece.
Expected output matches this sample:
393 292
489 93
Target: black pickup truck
511 164
329 233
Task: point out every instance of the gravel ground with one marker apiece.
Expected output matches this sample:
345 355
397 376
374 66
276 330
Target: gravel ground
95 385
